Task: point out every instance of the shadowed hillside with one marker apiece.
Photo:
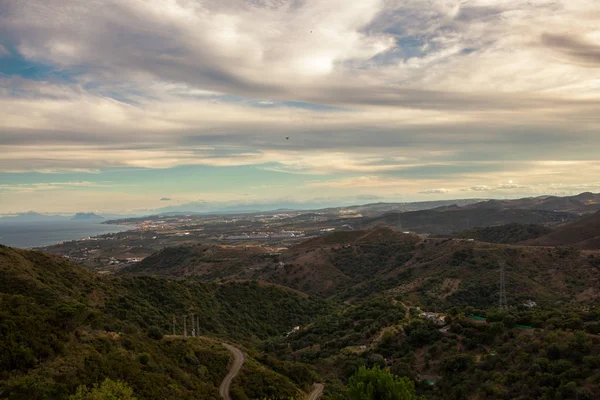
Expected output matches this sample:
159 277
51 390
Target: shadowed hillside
583 203
505 234
446 221
584 234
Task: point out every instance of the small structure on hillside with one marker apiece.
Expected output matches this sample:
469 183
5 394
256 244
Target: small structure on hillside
438 319
294 330
530 303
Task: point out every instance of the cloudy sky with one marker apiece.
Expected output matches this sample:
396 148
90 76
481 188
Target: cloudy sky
128 105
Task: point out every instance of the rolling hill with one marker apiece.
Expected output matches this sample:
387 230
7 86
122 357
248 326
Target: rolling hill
320 265
448 220
583 234
583 203
358 264
63 326
506 234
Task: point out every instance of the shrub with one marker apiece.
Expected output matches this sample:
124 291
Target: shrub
155 333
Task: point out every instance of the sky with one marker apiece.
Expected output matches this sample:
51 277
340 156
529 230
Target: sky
125 106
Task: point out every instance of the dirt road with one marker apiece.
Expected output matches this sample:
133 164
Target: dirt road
317 391
238 361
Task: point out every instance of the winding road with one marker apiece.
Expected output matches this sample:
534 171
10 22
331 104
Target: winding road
317 391
238 362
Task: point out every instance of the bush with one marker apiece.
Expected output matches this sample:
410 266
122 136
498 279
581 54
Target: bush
108 390
376 384
155 333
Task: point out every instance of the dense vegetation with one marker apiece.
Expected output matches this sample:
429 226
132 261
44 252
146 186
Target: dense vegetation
67 331
63 326
525 353
107 390
377 384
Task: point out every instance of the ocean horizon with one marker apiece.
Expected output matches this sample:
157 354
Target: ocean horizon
28 235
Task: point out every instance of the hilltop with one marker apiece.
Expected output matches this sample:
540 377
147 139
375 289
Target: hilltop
453 219
584 234
64 326
583 203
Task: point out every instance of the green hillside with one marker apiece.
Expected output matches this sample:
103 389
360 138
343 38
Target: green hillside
63 326
502 357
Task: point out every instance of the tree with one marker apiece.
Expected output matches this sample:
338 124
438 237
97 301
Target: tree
378 384
108 390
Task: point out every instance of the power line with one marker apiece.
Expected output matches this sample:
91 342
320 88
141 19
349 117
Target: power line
189 320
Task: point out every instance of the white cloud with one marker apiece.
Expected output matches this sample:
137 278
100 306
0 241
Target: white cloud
434 93
510 185
435 191
477 188
35 187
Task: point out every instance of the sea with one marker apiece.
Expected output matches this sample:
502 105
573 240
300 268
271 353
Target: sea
37 234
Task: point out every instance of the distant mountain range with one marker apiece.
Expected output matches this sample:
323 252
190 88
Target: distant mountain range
216 208
446 221
32 217
581 203
584 203
87 217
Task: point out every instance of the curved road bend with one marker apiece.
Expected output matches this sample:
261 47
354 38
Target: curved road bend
317 391
238 361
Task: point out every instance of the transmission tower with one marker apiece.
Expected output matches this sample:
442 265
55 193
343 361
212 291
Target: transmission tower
503 304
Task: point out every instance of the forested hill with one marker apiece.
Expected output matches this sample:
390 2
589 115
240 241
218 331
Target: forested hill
357 264
63 326
584 234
